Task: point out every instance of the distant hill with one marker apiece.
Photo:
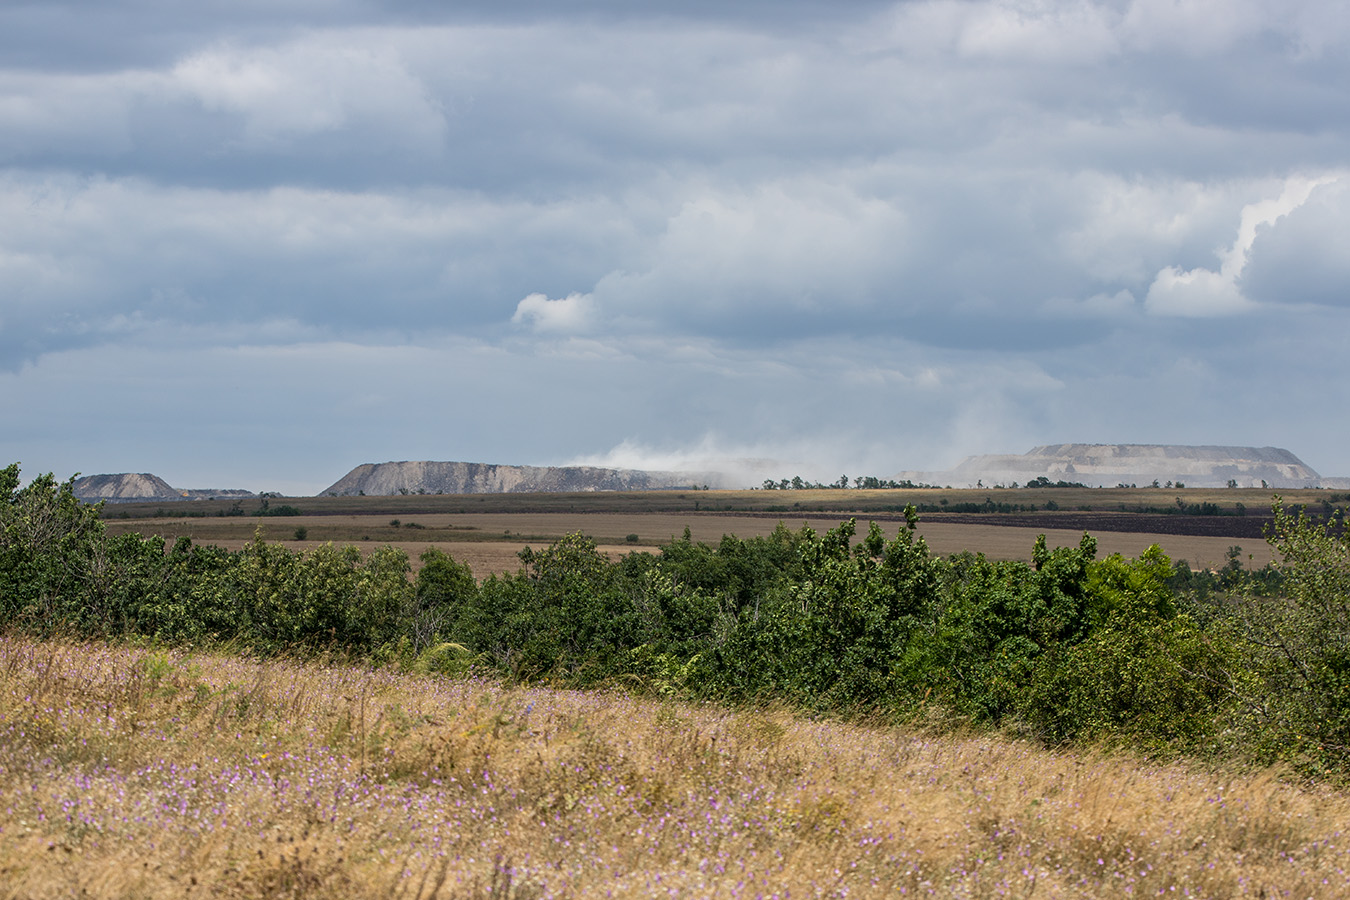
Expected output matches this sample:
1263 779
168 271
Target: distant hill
128 487
1107 465
425 477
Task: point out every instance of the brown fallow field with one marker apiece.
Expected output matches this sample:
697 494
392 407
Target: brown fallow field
487 531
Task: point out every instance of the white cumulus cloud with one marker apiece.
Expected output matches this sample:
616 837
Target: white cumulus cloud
566 315
312 87
1204 292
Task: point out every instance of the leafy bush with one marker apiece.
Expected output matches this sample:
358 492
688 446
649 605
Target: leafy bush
832 633
266 509
444 589
1143 670
1298 703
49 541
997 620
1160 684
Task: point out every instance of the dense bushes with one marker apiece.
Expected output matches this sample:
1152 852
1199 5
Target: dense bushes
835 631
1067 647
49 542
1300 646
58 569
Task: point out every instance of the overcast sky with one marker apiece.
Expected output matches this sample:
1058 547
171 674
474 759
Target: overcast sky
254 244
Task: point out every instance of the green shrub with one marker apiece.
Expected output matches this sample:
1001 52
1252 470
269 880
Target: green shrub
443 590
49 546
997 619
444 659
833 632
1298 702
1161 684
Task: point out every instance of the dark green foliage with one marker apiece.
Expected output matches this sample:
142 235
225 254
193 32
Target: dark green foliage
277 598
566 616
58 568
1142 670
444 589
1158 683
265 508
740 571
1299 699
48 541
1000 617
1124 592
588 617
500 623
834 632
189 598
674 617
1044 482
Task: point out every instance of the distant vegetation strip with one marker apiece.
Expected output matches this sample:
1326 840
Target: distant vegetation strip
1065 648
1180 502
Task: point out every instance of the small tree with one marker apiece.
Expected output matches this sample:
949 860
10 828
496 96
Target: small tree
48 541
444 587
1300 701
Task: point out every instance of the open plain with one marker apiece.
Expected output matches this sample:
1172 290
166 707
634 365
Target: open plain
487 531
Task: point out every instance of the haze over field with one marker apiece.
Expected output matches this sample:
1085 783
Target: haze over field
256 245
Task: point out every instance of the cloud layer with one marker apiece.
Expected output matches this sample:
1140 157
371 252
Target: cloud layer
263 243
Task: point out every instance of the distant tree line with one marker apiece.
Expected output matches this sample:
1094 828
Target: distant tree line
861 482
186 511
1067 647
873 483
1043 481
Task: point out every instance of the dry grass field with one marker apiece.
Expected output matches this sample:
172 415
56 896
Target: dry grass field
130 773
489 541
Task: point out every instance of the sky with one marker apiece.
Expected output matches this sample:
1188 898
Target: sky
252 244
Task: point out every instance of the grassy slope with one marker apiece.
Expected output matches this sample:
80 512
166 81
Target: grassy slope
129 773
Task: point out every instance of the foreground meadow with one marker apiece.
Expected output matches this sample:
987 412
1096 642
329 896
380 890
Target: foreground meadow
131 773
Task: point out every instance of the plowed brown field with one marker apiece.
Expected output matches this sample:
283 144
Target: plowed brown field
489 542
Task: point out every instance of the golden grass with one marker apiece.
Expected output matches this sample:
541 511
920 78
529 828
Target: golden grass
130 773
